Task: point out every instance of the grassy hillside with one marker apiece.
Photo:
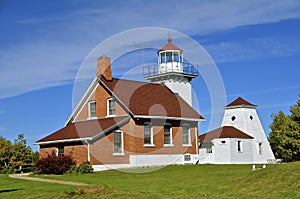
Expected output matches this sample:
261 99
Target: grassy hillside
190 181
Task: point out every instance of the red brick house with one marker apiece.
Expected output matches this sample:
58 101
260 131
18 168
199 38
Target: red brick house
123 123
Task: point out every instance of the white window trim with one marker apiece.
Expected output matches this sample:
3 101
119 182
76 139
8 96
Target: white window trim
241 146
189 133
89 109
171 136
122 144
151 130
107 107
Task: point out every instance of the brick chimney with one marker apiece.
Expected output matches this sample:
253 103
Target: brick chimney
103 67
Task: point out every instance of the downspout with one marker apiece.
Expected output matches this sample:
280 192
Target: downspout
88 150
197 147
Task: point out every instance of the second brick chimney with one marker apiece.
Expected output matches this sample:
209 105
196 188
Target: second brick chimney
103 67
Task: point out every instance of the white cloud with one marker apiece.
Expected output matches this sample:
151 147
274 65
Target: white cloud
56 51
253 48
36 66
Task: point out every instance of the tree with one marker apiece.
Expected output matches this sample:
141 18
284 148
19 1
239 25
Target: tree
5 152
15 154
21 154
20 140
285 134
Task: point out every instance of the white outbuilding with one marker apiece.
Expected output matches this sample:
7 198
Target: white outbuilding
240 140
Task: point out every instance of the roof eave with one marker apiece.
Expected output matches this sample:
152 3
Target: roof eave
82 101
241 106
64 140
87 138
170 118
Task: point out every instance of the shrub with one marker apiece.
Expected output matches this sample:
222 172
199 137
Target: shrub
85 167
53 164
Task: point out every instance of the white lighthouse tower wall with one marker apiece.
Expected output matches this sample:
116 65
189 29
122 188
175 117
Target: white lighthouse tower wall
246 119
183 87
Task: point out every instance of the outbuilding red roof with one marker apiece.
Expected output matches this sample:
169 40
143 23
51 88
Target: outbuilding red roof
239 102
224 132
169 46
150 99
84 129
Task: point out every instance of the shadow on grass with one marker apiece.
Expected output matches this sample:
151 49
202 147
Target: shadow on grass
9 190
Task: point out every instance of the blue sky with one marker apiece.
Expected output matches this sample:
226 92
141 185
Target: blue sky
255 45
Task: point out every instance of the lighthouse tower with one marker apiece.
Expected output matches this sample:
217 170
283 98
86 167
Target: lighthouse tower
172 71
243 116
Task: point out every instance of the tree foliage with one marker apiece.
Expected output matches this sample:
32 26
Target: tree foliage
285 134
15 154
5 152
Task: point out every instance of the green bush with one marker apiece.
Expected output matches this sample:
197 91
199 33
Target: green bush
85 167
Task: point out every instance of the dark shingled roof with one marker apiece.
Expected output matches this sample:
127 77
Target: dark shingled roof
239 102
169 46
224 132
84 129
150 99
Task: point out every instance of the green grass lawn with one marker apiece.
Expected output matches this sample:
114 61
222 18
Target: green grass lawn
189 181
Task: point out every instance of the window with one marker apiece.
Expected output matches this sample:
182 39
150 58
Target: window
111 106
223 142
251 117
169 56
207 146
209 150
162 57
92 109
260 148
60 150
187 157
118 143
167 134
176 57
233 118
239 146
186 134
148 135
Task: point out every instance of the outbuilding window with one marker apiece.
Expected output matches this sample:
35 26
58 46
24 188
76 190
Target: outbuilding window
260 148
239 146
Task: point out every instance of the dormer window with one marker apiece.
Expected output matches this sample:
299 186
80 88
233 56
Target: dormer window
92 109
111 107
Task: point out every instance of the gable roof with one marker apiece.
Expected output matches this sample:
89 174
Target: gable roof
144 99
240 102
169 46
84 130
224 132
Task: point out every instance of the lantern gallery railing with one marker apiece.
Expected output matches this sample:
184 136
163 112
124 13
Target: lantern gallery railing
171 67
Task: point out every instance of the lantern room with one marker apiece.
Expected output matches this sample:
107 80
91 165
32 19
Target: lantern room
170 58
